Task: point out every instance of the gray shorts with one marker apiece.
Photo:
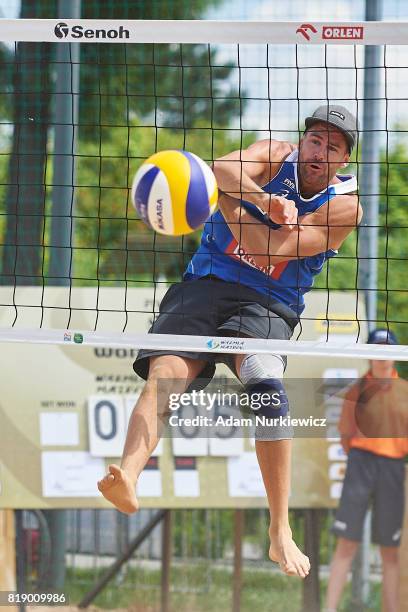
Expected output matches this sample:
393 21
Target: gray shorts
212 307
376 480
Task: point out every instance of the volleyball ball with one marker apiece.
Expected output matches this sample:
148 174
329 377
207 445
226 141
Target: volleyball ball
174 192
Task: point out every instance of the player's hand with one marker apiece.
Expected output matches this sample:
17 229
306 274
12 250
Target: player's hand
282 211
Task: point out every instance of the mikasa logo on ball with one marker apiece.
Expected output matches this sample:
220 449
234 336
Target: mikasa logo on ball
159 213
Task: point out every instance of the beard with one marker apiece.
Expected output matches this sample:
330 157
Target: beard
314 174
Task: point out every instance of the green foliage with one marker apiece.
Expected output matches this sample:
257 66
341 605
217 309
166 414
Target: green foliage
168 91
195 587
393 242
200 587
111 243
202 533
393 246
6 63
341 272
141 9
172 85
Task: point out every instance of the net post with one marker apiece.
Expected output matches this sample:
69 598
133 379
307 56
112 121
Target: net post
237 572
311 586
66 120
166 560
370 172
368 248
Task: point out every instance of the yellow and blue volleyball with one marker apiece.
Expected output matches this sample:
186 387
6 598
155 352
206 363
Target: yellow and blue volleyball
174 192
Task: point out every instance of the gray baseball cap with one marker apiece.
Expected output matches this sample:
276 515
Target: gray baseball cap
338 116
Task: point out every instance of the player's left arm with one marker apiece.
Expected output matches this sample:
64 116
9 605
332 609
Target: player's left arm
325 229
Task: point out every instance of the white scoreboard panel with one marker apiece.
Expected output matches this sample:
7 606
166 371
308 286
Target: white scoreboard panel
64 411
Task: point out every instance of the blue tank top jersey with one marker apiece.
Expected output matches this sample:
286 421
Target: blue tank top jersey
219 253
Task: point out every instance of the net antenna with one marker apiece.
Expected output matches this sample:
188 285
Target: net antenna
118 270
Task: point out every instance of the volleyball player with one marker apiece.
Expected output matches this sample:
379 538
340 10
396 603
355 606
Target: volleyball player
283 211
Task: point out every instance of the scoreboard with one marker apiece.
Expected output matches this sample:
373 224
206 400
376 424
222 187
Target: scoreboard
64 411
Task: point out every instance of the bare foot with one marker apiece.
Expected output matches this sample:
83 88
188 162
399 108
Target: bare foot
117 488
284 551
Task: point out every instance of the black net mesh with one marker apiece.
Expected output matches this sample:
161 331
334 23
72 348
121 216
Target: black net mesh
134 100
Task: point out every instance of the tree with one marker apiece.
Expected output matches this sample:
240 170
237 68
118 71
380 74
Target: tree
170 87
341 272
393 242
111 243
25 198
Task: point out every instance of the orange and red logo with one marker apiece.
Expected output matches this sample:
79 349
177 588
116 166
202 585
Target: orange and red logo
238 253
304 30
332 32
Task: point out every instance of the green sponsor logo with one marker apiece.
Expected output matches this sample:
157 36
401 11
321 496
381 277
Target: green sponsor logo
78 338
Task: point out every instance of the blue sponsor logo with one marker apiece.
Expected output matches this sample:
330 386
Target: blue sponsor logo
213 344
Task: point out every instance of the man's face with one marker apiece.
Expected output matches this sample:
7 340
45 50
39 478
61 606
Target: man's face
323 150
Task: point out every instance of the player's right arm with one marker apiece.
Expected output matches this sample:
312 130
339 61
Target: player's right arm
240 174
325 229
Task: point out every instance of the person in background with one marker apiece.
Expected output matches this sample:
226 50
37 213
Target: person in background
374 405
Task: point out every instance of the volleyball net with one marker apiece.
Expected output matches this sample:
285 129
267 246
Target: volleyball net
83 103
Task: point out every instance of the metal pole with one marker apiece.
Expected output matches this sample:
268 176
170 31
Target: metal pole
368 245
56 526
311 585
22 585
369 170
66 120
237 577
166 562
116 566
360 584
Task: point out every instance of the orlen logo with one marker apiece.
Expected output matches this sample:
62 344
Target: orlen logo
62 30
305 28
343 32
